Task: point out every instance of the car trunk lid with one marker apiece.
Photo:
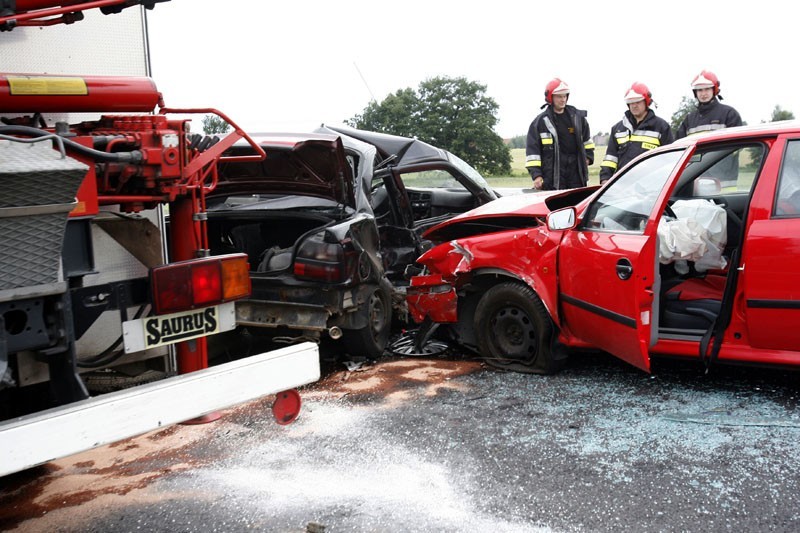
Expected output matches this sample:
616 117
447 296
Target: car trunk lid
306 165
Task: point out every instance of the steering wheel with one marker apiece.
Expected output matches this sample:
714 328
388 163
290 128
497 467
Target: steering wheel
669 212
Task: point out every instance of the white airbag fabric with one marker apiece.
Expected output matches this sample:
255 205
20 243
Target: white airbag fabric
698 234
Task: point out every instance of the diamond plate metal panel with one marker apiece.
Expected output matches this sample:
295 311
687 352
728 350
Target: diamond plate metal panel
29 171
34 175
34 244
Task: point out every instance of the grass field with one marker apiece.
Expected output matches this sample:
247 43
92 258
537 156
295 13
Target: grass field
519 176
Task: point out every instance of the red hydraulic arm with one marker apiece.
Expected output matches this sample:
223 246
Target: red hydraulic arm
136 161
51 12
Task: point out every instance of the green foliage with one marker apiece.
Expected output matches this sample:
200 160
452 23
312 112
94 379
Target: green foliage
214 124
687 105
398 114
781 114
450 113
517 142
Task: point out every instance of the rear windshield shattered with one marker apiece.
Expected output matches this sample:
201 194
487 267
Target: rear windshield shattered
257 202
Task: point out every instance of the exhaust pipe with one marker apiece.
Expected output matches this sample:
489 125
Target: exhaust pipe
335 332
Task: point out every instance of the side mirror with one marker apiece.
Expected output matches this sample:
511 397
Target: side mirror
706 187
561 219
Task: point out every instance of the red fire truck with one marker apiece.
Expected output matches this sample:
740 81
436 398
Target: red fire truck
97 291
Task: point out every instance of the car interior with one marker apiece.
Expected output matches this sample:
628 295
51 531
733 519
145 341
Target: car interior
692 291
432 195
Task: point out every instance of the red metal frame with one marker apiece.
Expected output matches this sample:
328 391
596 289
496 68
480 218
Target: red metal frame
41 12
168 170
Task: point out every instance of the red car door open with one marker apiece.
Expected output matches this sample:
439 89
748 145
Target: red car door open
607 264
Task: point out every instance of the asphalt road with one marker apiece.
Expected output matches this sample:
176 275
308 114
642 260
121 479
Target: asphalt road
448 445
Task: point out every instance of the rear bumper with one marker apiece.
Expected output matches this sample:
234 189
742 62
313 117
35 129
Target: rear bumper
270 314
28 441
304 308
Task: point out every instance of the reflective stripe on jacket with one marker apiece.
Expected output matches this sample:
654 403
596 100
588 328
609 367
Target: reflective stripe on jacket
628 141
542 154
709 117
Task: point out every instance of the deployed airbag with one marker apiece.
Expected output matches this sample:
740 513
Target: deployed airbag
698 234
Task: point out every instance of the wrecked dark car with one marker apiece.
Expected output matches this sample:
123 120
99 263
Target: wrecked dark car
692 250
330 220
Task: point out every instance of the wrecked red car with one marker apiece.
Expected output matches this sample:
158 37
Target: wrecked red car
691 250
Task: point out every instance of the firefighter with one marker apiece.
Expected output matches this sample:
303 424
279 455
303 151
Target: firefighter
559 148
639 130
710 114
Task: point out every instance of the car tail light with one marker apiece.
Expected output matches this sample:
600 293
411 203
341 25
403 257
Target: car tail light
320 260
199 283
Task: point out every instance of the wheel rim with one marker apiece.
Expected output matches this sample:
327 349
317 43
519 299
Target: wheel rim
405 346
377 315
513 334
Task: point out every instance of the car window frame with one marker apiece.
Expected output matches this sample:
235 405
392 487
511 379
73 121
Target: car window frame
678 152
780 181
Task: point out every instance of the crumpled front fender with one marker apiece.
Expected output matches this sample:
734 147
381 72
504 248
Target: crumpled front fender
432 296
529 255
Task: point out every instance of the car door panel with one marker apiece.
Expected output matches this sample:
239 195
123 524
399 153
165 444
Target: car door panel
771 256
607 291
772 284
607 266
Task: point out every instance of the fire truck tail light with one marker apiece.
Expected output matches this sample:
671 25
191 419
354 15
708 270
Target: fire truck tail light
199 283
172 288
207 283
236 278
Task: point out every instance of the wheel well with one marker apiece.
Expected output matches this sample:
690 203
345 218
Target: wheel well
469 295
484 280
468 302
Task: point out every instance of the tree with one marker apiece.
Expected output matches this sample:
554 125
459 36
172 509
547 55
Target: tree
398 114
686 106
450 113
214 124
518 141
781 114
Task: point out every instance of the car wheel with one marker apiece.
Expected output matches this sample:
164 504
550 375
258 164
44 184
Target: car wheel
371 340
514 330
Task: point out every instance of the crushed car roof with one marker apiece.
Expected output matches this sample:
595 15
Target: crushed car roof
406 150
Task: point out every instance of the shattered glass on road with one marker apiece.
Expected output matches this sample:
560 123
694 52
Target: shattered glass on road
438 445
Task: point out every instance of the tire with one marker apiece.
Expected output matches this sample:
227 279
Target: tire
370 341
514 330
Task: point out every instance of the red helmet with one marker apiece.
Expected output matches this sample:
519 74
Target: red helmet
706 80
639 91
555 86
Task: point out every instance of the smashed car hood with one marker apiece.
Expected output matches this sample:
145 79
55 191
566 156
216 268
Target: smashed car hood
508 212
301 164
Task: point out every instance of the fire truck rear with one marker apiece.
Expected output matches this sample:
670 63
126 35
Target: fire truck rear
95 287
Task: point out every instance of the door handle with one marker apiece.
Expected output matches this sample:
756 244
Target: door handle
624 269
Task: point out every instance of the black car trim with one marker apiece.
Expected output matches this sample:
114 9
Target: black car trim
605 313
773 304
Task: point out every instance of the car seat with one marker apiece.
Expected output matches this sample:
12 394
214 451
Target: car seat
693 303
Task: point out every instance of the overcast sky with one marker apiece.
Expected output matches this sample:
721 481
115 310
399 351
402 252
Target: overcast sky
289 66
